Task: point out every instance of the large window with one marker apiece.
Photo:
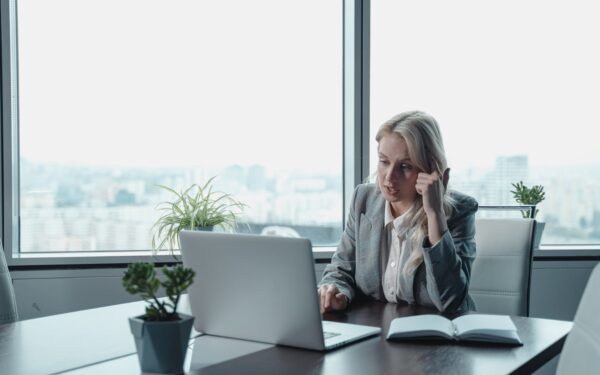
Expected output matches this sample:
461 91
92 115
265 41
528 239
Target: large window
118 96
103 100
514 86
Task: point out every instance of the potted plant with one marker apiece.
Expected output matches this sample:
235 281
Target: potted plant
530 196
195 208
161 334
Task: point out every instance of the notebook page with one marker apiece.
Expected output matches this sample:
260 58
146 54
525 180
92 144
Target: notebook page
484 324
421 325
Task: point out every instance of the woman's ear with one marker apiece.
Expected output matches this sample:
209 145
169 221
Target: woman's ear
446 178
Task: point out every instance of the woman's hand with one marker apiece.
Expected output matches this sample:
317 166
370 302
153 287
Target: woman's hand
431 187
331 298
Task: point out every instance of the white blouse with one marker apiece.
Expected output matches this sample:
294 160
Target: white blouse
397 285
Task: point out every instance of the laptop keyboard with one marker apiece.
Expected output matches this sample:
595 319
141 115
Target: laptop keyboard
329 335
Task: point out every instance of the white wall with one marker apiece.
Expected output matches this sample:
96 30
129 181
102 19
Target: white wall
48 292
556 288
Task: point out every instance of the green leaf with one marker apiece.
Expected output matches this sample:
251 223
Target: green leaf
528 196
140 278
196 206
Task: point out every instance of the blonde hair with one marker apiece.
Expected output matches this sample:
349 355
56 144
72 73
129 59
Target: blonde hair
425 146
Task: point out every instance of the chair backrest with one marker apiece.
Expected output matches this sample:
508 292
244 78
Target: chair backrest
581 352
8 305
501 272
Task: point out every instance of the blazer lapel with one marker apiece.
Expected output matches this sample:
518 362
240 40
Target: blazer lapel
376 243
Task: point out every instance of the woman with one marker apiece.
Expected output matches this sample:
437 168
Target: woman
406 237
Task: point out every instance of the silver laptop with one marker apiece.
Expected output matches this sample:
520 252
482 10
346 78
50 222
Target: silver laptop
260 288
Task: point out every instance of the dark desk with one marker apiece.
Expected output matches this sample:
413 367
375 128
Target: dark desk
98 342
66 341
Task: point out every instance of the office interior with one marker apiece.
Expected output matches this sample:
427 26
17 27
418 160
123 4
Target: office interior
281 100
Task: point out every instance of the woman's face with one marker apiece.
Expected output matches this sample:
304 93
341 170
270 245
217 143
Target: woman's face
396 174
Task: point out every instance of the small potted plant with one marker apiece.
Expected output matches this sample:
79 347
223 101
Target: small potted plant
530 196
161 334
195 208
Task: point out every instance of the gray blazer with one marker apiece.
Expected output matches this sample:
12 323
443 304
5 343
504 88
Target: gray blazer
356 268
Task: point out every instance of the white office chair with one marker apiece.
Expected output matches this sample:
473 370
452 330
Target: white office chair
501 272
581 352
8 305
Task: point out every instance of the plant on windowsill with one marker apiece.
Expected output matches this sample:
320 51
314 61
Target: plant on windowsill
161 334
195 208
530 196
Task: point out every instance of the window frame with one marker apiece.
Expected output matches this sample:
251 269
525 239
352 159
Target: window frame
355 135
355 148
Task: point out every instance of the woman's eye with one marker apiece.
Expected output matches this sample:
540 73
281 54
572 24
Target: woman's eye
384 162
405 166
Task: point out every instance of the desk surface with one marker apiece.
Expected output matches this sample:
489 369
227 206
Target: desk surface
98 341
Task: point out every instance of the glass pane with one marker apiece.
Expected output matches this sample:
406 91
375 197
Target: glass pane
513 85
119 96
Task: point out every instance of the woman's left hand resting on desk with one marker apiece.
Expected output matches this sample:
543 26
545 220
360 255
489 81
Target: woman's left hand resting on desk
331 298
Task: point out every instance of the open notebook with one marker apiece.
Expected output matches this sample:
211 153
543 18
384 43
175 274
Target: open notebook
473 327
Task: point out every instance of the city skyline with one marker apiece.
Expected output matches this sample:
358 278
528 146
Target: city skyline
77 208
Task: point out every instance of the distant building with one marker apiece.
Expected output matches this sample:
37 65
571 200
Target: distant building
508 170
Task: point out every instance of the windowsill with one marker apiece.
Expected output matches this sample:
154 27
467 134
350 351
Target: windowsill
567 252
107 258
121 258
87 258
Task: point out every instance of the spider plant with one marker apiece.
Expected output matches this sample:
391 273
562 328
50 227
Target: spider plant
195 208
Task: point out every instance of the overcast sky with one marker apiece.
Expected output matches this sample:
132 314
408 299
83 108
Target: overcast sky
133 82
502 78
194 83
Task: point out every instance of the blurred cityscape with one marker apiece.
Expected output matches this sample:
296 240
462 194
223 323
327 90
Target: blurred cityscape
101 209
571 209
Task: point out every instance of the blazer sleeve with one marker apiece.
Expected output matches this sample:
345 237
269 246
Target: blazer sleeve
448 262
343 263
